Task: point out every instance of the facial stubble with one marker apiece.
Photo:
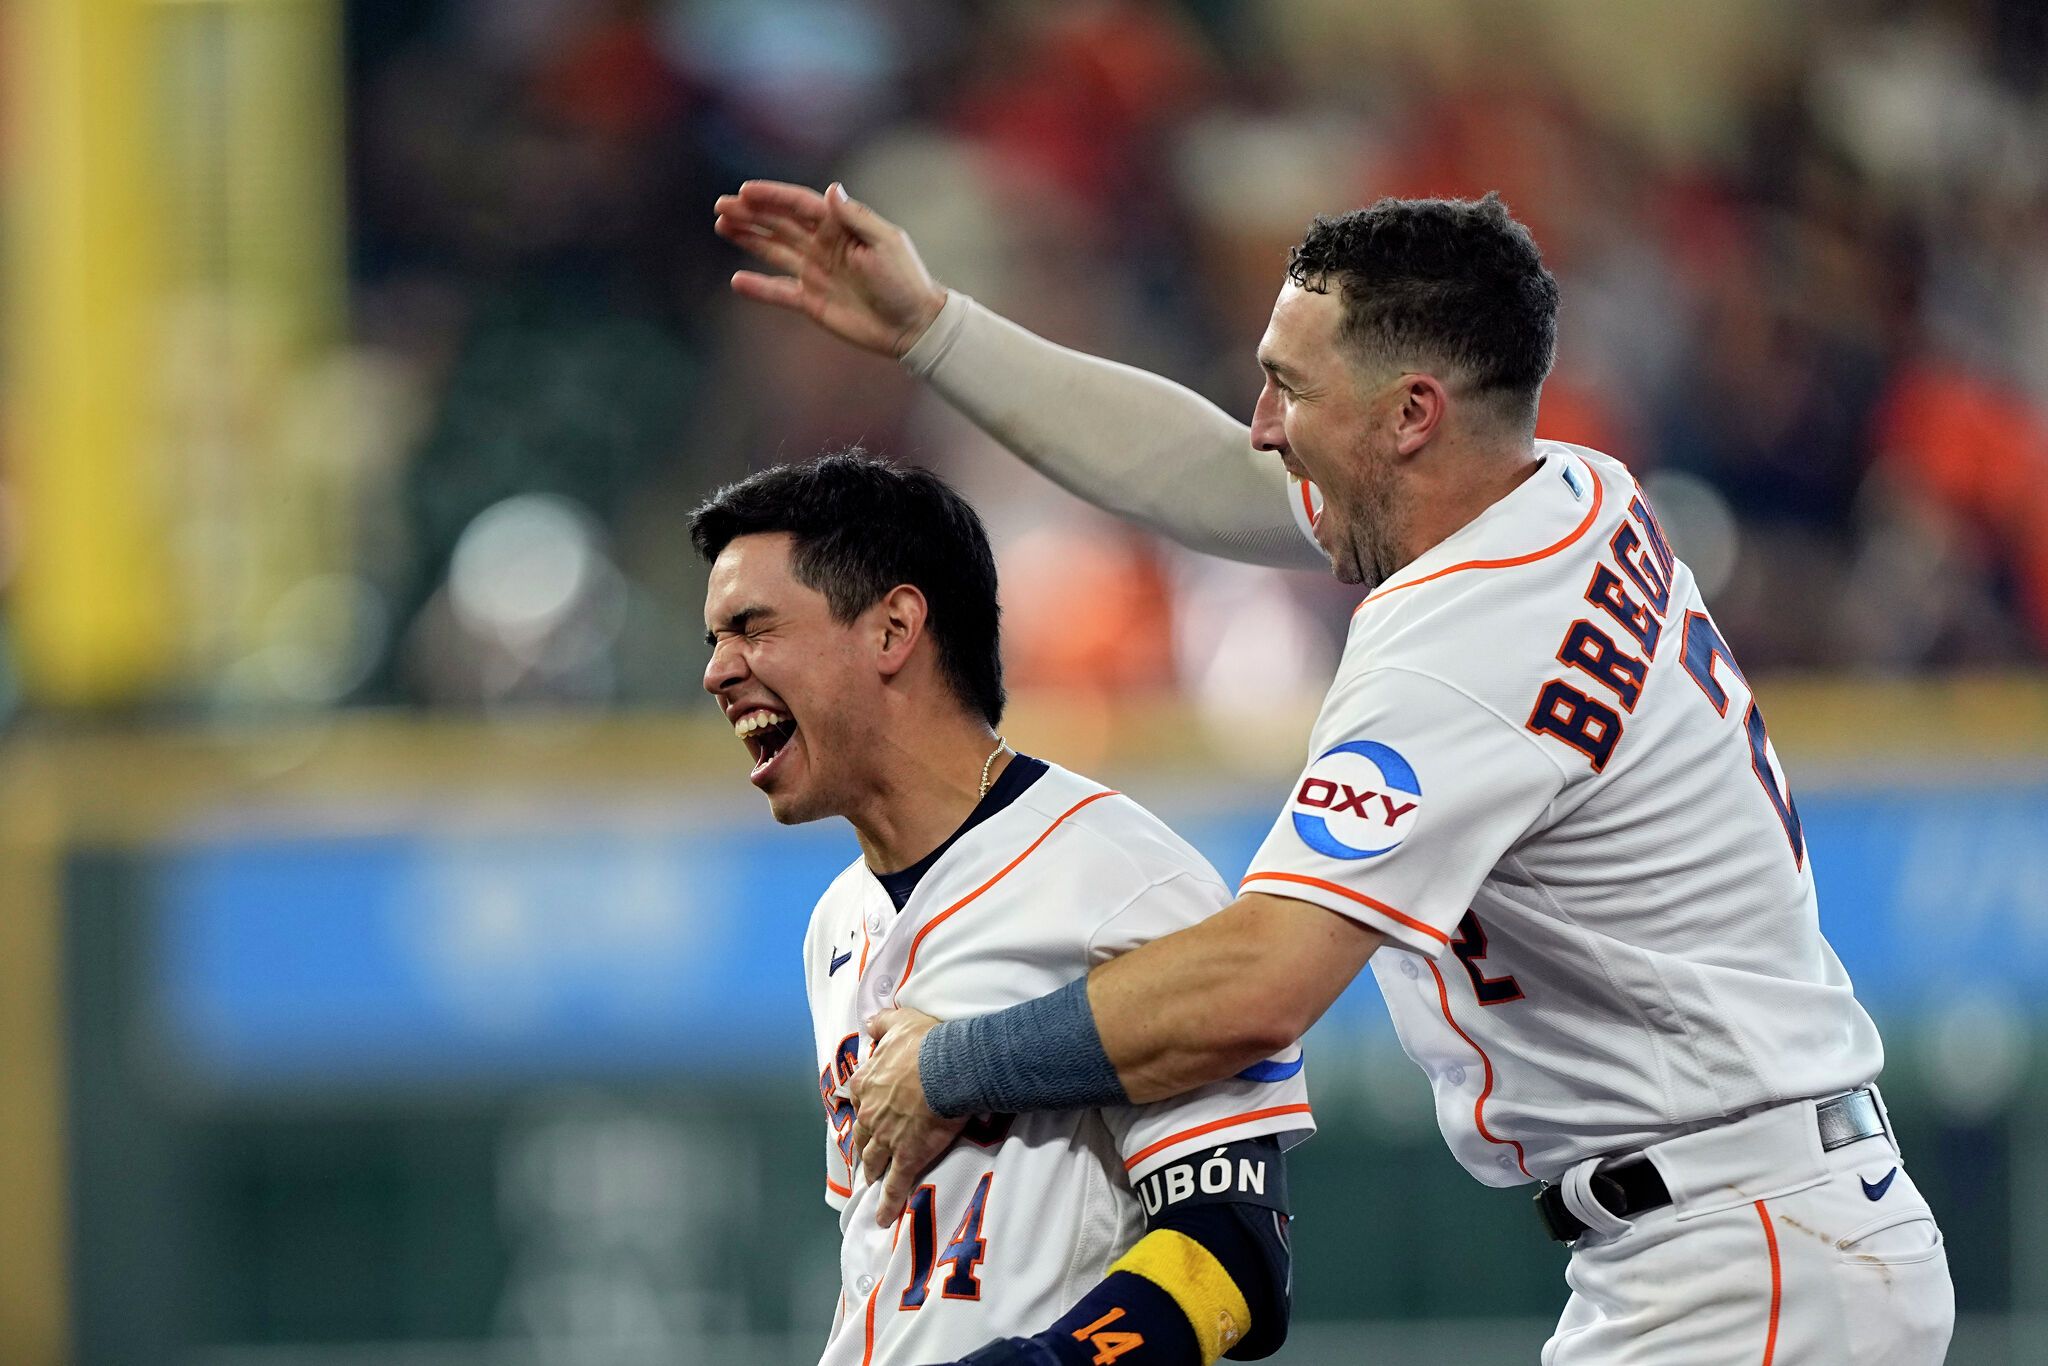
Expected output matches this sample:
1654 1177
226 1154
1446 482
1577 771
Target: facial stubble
1372 535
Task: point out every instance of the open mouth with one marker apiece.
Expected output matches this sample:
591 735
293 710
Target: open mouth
766 734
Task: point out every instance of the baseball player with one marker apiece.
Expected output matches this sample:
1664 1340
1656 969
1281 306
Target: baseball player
852 621
1540 798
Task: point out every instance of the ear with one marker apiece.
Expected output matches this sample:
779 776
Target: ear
1422 405
899 620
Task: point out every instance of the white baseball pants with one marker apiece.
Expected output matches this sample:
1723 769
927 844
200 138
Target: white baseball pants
1772 1253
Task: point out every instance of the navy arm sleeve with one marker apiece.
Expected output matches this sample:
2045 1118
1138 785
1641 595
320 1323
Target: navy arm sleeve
1249 1238
1244 1229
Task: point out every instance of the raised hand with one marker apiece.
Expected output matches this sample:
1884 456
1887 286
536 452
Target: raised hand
835 260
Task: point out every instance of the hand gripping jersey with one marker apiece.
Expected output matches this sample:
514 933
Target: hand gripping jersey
1541 776
1023 1216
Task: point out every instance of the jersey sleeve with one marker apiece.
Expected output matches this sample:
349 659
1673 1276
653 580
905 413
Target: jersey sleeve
1268 1098
838 1173
1413 793
838 1111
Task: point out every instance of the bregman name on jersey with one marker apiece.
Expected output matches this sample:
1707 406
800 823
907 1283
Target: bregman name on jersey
1541 776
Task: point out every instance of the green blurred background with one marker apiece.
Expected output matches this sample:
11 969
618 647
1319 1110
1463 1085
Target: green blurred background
394 966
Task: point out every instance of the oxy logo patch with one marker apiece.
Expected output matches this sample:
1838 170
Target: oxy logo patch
1356 801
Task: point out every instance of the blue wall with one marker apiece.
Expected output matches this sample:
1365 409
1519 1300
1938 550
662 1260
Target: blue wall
672 947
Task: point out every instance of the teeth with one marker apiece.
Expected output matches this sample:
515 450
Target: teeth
755 720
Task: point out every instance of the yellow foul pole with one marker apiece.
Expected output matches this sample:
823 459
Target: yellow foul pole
172 268
90 600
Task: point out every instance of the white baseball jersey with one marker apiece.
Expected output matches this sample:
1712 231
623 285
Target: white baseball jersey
1541 776
1024 1215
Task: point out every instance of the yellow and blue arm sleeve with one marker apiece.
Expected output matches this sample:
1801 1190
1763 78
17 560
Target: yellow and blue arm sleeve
1208 1279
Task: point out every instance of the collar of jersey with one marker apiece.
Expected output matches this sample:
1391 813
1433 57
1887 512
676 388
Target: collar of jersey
1537 519
1017 775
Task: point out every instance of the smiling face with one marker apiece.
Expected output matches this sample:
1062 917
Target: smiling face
796 684
1334 423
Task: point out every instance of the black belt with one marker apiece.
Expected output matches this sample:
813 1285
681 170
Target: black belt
1635 1187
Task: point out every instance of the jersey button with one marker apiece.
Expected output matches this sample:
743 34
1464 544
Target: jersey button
874 922
864 1284
1409 970
1455 1076
886 985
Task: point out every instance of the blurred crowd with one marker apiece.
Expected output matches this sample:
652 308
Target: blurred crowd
1803 252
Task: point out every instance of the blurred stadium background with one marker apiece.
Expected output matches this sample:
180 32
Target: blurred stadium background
394 966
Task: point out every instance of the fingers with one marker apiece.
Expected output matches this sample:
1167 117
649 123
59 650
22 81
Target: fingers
763 244
898 1172
882 1022
734 218
858 219
784 291
875 1158
800 202
763 202
896 1193
734 221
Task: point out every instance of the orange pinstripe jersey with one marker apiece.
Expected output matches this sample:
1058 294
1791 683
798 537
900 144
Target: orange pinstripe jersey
1023 1216
1540 775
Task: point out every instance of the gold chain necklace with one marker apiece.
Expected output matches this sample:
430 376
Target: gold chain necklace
1000 747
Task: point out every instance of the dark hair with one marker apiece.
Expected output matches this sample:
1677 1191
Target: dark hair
862 526
1451 282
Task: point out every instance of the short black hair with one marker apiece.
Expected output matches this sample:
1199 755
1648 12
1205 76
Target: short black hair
862 526
1451 282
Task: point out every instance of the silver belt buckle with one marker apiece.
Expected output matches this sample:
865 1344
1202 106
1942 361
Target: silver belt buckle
1849 1118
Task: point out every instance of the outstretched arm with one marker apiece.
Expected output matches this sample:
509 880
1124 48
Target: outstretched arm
1131 443
1128 441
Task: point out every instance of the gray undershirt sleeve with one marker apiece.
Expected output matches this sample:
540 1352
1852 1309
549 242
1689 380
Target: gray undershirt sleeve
1131 443
1042 1055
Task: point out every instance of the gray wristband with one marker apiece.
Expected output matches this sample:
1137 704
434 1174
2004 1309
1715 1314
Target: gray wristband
1041 1055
